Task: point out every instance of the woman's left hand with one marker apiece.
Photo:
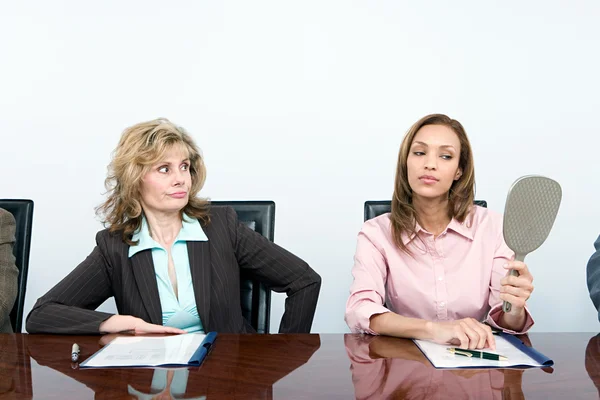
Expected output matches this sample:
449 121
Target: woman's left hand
516 289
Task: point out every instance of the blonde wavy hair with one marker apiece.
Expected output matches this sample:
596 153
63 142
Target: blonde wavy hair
141 146
462 191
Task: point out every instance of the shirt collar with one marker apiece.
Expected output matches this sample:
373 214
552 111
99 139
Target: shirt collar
191 231
462 228
458 227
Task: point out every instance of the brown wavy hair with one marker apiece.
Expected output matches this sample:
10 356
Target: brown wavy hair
462 191
141 146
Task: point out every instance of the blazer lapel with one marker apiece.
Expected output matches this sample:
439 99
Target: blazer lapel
143 270
199 254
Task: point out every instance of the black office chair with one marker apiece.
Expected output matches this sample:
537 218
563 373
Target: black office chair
374 208
255 296
23 213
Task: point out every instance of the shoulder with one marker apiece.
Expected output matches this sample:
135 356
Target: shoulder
109 241
221 212
6 218
378 230
485 215
220 217
7 226
485 224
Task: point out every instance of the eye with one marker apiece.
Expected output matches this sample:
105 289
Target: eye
446 157
185 166
163 169
419 153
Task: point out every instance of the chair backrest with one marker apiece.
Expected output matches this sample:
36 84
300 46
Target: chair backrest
374 208
254 295
23 213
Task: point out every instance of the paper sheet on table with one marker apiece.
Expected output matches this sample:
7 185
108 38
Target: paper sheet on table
511 347
149 351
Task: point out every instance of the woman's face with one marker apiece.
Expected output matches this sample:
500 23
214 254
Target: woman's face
432 162
165 187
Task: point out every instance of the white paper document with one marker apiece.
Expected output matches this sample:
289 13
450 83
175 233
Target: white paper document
150 351
440 357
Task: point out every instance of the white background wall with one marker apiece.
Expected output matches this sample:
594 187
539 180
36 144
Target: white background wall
305 103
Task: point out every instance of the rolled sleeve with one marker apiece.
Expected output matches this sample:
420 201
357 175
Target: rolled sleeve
494 316
367 292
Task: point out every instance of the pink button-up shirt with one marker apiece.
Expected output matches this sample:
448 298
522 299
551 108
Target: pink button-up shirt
456 275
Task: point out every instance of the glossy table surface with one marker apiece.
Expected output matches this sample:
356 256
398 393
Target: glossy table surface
328 366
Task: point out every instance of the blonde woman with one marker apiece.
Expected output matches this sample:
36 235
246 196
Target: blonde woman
171 262
434 268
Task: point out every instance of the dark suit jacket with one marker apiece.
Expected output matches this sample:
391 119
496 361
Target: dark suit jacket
593 276
8 270
68 308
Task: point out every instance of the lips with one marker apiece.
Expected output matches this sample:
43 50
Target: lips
178 195
428 179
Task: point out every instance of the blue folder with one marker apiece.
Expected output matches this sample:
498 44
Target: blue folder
195 360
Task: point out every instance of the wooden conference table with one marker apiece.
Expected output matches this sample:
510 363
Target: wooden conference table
328 366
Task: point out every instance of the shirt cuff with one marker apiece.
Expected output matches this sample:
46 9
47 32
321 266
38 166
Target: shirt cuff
361 320
494 317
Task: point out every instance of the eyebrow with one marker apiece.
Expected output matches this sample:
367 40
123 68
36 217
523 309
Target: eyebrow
167 162
445 146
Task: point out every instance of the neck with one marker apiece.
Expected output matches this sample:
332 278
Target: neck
163 227
432 214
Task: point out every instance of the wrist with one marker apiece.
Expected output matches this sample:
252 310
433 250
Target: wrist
430 330
518 312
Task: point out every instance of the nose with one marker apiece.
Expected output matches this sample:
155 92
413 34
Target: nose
431 162
178 178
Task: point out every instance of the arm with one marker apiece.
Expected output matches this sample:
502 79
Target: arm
69 307
514 289
365 312
593 276
8 269
280 270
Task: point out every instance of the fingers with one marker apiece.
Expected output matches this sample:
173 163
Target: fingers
520 267
516 301
468 333
153 328
471 333
478 333
490 339
165 329
519 289
517 281
462 338
175 330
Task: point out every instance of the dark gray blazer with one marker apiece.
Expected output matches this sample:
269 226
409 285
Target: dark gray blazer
593 276
68 308
8 270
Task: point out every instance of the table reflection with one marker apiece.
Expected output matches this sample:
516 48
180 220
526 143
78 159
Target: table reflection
385 367
239 366
592 361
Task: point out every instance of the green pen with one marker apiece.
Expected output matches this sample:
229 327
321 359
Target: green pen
477 354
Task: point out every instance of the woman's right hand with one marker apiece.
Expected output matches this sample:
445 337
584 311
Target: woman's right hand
133 325
468 333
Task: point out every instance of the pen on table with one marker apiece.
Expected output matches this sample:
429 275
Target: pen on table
75 353
477 354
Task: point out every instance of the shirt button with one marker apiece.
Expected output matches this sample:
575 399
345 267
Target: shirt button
440 278
442 304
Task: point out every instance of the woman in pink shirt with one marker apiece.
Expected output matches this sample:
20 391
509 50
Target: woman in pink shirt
435 267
